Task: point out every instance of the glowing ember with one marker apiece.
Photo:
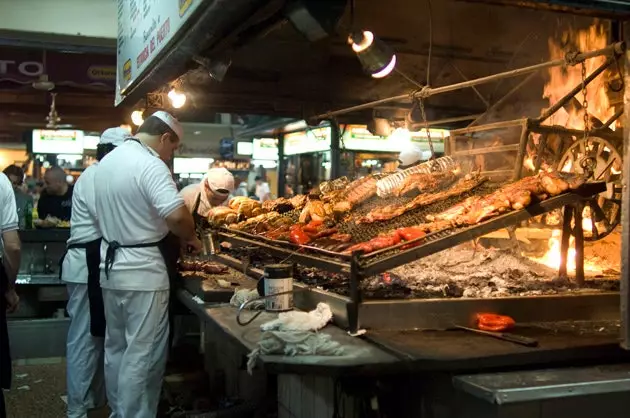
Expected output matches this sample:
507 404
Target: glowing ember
529 163
563 79
552 256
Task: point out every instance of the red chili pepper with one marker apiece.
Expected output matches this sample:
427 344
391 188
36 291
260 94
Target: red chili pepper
411 233
298 236
494 322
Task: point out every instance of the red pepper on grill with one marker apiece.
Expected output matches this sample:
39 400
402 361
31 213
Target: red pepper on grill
298 236
409 234
494 322
313 227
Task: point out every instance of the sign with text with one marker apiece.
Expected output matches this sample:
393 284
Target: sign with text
312 140
59 141
358 138
145 27
265 149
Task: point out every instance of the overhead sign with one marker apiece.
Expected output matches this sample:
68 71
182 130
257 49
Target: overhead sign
265 149
57 141
312 140
191 165
358 138
145 27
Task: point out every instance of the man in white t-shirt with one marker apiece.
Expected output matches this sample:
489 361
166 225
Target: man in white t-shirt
80 270
139 212
263 192
10 252
213 190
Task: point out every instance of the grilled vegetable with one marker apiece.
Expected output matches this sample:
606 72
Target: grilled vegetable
298 236
494 322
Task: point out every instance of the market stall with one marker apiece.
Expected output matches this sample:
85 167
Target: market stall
398 258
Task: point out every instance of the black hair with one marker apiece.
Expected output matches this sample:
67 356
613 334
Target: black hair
155 126
103 149
14 170
258 178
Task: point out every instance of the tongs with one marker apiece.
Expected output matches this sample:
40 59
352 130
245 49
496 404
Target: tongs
512 338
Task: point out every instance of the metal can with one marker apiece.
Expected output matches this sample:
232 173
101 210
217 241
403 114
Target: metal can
278 279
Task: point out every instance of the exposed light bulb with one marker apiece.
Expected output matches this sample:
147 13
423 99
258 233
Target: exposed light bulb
136 117
387 70
177 99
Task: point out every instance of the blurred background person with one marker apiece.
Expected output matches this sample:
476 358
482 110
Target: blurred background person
56 198
23 201
263 192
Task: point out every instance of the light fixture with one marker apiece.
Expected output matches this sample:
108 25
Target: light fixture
136 117
376 57
177 99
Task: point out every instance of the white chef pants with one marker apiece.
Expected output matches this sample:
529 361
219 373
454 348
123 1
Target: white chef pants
136 347
85 381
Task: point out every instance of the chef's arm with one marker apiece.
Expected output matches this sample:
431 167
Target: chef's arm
180 222
12 255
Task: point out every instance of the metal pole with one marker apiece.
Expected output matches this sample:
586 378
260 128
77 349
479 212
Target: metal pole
420 125
477 92
569 96
489 127
579 244
335 152
616 49
522 148
282 168
564 240
625 205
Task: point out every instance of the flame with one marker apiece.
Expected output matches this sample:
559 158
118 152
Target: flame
529 163
563 79
552 257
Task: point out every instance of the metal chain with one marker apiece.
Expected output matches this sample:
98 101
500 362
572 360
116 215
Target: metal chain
585 101
426 127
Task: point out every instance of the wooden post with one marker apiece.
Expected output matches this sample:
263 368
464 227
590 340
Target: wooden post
625 214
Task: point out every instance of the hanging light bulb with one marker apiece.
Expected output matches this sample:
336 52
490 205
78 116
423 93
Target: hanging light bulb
177 99
136 117
376 57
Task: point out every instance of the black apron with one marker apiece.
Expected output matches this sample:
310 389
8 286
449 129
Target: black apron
5 355
169 248
95 294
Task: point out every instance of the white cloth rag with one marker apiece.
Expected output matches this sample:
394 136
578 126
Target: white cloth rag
301 321
293 334
244 295
293 343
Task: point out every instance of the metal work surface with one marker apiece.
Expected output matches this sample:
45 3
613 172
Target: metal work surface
560 343
527 386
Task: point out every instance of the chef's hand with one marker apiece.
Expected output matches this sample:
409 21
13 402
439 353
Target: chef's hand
193 246
13 300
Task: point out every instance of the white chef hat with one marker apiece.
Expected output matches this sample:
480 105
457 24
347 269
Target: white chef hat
411 156
220 179
114 136
171 121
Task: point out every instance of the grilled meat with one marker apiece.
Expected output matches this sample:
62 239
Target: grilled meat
202 266
298 201
315 210
280 205
222 216
245 207
392 211
362 191
425 182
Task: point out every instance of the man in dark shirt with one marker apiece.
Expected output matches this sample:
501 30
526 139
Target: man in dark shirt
56 199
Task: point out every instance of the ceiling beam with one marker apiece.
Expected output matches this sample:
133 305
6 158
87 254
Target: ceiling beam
602 8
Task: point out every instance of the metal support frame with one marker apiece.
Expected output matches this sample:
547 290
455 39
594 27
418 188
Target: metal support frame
625 213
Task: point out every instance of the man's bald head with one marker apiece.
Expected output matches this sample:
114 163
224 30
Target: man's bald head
55 181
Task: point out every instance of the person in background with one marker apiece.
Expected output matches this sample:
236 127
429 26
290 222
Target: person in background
411 156
80 271
10 253
144 223
242 189
263 192
23 201
56 199
214 190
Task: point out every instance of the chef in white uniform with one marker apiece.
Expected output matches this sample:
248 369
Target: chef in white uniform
84 351
213 190
139 211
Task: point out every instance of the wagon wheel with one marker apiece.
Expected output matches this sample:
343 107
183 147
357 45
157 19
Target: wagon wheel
601 161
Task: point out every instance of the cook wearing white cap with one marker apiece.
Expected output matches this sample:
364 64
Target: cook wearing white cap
144 223
411 156
214 190
80 271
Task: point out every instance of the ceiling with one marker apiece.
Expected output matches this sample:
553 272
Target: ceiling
283 74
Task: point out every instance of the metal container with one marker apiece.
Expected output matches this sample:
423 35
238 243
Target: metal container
278 280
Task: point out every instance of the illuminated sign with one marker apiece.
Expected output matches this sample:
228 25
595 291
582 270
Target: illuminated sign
265 149
312 140
57 141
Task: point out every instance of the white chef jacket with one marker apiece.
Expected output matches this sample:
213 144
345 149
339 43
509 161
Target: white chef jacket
190 193
83 227
134 194
8 209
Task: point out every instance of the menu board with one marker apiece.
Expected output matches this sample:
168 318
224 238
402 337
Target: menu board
145 27
265 149
91 141
358 138
312 140
59 141
191 165
244 148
